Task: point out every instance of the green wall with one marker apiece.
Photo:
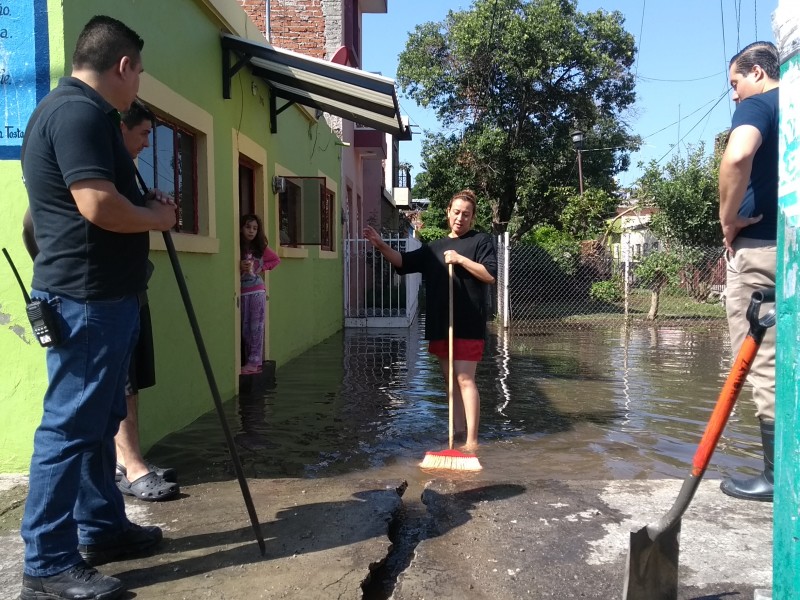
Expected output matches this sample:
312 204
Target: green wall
305 293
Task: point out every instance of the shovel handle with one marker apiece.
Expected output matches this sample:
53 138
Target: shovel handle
722 411
736 378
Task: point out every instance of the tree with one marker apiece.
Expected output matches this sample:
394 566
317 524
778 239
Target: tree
512 79
584 215
655 272
686 194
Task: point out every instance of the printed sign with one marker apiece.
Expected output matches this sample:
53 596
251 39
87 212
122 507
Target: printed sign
24 68
789 142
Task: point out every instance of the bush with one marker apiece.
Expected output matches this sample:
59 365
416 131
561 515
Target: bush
607 291
564 249
429 234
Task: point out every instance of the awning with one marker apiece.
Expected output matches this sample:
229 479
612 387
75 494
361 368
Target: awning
355 95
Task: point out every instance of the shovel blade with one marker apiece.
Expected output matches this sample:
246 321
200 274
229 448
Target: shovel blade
651 572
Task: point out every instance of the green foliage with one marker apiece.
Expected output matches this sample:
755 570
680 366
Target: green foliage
584 216
607 291
686 193
659 269
512 78
428 234
563 249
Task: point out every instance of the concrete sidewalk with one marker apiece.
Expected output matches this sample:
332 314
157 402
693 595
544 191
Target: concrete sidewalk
476 540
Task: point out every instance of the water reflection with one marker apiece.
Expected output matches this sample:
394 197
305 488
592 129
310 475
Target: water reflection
630 402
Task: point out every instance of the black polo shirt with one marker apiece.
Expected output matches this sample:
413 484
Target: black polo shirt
74 135
469 294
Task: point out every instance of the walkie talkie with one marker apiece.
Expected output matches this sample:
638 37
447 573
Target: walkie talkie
40 313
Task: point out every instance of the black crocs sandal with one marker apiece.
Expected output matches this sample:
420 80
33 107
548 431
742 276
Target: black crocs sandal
167 474
148 487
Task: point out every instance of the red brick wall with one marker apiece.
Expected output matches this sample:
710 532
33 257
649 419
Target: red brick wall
297 25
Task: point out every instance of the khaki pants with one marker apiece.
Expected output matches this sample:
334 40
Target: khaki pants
752 267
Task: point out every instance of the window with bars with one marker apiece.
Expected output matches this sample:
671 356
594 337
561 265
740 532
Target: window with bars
170 164
306 209
326 212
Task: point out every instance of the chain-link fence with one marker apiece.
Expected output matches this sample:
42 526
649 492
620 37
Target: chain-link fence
592 285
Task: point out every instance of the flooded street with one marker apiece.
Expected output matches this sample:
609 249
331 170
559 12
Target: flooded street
623 403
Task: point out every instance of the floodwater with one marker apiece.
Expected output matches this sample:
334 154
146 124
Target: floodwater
622 403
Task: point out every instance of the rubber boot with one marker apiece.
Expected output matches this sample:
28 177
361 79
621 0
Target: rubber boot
761 486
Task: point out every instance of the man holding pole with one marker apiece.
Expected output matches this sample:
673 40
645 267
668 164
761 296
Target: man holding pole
91 225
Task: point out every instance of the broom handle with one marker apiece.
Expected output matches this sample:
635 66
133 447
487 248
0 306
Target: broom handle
450 357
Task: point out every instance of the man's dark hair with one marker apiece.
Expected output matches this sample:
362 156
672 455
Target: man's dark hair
137 113
103 42
763 54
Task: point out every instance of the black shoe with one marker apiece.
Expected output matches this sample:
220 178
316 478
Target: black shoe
166 473
134 541
760 487
81 582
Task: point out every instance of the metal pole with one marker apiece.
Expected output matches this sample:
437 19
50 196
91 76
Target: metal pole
212 383
507 268
499 288
580 173
626 258
786 525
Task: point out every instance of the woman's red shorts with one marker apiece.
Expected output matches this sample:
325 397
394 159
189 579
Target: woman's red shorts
471 350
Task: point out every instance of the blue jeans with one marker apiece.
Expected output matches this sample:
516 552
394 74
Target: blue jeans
72 496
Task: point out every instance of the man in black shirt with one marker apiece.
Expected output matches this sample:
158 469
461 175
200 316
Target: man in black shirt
91 225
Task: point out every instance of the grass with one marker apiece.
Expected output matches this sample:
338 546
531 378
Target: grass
589 312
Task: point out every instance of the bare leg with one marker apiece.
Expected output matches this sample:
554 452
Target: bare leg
470 403
459 420
466 401
129 454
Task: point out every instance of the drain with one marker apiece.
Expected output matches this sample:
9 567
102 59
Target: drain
407 530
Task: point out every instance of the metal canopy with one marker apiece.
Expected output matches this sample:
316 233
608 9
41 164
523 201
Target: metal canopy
352 94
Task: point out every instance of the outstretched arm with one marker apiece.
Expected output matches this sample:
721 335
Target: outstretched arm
392 255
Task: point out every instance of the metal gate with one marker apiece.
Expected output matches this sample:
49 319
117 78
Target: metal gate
374 294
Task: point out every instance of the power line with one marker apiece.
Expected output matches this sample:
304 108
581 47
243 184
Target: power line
755 16
641 28
645 78
693 127
697 110
724 45
737 11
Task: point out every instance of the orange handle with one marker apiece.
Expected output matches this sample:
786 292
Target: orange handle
727 398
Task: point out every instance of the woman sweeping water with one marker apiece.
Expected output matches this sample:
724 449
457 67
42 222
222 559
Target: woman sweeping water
475 267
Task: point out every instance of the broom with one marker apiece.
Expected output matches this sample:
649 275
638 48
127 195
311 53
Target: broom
450 459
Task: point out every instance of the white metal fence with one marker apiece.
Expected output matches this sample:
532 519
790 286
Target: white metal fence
595 286
374 295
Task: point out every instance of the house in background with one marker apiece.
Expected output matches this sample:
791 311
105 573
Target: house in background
634 238
371 183
237 120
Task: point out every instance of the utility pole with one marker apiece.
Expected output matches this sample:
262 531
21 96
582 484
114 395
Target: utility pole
577 141
786 524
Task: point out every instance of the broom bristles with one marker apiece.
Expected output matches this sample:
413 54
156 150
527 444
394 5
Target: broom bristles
453 460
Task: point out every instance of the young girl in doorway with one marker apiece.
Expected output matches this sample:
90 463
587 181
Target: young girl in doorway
256 258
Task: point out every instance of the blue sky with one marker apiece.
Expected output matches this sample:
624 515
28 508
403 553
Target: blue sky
684 48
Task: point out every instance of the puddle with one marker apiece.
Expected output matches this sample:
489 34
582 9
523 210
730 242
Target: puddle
619 403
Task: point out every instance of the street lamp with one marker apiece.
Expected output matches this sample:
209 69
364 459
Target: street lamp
577 142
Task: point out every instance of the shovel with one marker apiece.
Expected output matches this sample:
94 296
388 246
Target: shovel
651 572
